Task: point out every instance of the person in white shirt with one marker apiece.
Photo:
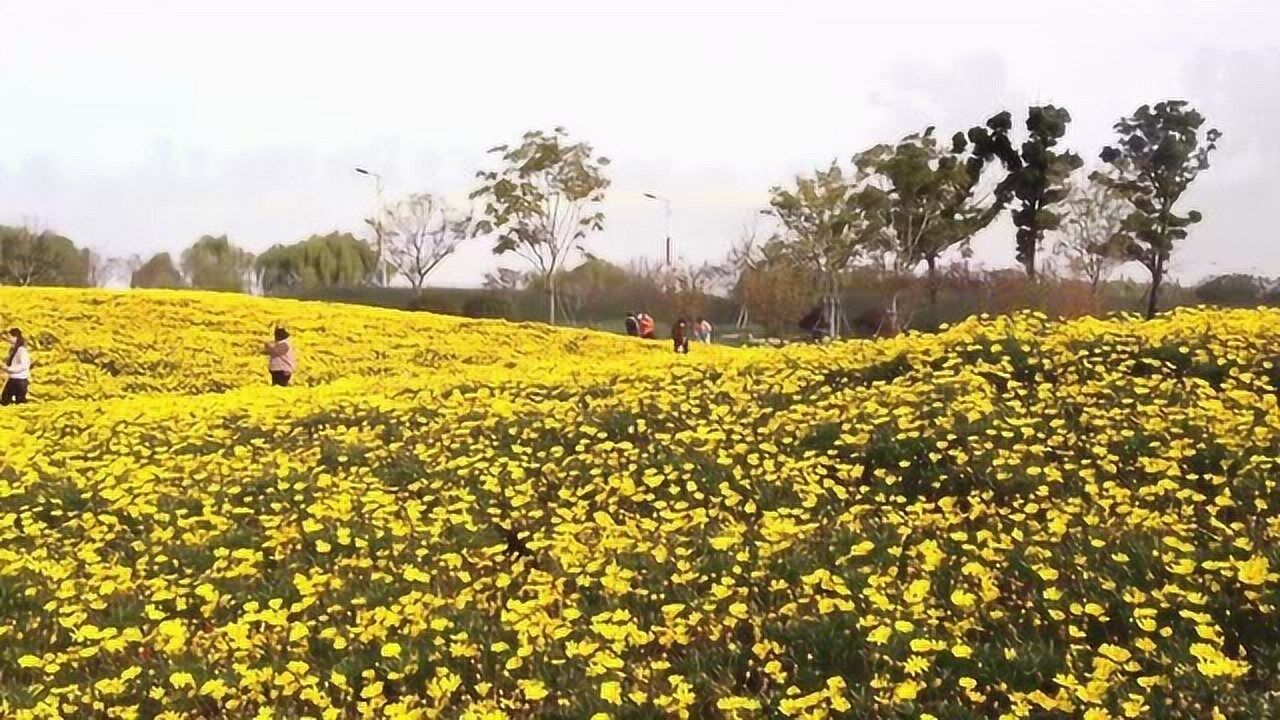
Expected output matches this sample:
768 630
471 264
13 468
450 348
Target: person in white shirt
18 366
703 330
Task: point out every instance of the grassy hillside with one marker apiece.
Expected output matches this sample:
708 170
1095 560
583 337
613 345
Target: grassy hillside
1010 518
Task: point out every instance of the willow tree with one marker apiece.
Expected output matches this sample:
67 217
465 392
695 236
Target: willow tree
827 223
543 202
332 260
1159 154
214 263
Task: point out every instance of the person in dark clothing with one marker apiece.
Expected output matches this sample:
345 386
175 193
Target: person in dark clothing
17 366
680 336
633 325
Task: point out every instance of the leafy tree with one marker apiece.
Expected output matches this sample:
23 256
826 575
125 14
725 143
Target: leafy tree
213 263
157 272
1094 213
1037 173
1233 289
589 285
827 223
30 256
543 201
320 261
422 231
1159 154
925 197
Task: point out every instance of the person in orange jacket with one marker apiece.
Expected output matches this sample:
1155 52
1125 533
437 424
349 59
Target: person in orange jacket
648 330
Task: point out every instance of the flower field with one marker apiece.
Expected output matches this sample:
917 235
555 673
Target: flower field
464 519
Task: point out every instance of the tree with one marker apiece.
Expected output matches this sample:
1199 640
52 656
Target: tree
422 231
1094 213
1159 154
157 272
506 280
213 263
687 288
105 270
827 223
1236 289
320 261
924 195
590 285
1037 174
775 291
33 256
543 201
751 252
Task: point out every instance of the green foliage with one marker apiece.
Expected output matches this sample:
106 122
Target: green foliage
333 260
213 263
543 201
158 272
488 305
1234 289
31 257
1159 154
1037 174
829 220
925 197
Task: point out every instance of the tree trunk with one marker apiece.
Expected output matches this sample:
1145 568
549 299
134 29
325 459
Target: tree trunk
1157 274
932 263
889 323
551 297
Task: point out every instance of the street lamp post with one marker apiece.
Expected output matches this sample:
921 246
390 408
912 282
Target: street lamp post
378 273
667 209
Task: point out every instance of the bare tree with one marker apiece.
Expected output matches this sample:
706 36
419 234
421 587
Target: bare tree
104 270
422 231
741 258
1095 213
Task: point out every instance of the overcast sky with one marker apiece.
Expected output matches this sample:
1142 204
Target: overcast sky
139 126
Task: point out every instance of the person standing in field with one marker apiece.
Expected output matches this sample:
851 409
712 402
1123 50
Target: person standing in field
17 365
633 325
680 337
648 330
281 362
702 330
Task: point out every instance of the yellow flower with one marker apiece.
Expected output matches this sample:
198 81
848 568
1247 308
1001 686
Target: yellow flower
533 689
1254 570
907 690
611 691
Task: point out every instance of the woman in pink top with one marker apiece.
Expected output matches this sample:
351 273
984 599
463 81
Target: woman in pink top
281 362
